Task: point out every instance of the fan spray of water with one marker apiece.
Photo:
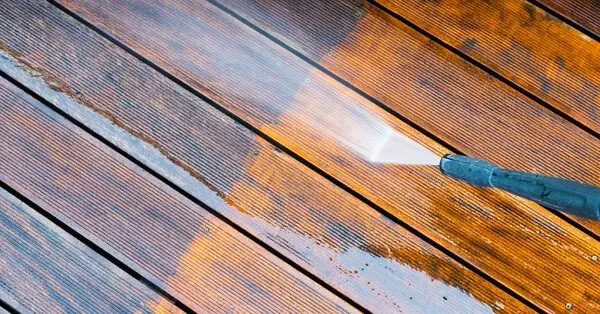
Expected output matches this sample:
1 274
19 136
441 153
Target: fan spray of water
379 143
368 135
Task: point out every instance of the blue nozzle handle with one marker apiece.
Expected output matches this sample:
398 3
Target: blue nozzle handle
572 197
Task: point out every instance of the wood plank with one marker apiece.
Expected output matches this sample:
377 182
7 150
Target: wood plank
161 235
523 43
450 98
516 242
583 12
10 305
48 271
317 225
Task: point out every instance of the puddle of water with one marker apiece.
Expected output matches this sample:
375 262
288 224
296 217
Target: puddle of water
396 286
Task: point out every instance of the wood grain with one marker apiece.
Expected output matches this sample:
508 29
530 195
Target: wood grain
523 43
450 98
319 226
372 68
48 271
172 242
518 243
583 12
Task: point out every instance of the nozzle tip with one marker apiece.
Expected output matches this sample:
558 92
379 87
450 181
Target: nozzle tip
470 170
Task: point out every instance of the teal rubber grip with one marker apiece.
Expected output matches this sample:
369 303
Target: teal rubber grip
568 196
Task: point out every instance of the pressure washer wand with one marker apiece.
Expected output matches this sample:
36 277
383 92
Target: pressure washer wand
572 197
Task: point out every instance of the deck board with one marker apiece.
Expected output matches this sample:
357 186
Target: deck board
329 232
48 271
523 43
453 100
10 305
169 240
583 12
236 67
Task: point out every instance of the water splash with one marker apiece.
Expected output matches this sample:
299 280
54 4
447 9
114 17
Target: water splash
391 147
366 134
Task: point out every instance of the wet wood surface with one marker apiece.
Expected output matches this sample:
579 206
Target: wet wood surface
365 255
520 244
583 12
46 270
523 43
169 240
220 139
453 100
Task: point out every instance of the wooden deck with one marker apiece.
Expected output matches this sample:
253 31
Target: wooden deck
170 155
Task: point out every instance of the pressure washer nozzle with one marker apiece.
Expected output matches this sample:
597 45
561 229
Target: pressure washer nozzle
572 197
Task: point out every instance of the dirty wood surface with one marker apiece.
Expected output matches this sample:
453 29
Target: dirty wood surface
197 258
583 12
49 271
243 121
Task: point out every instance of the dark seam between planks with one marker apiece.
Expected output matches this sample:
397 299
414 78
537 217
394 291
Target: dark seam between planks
90 244
396 114
177 189
485 68
293 154
6 306
566 20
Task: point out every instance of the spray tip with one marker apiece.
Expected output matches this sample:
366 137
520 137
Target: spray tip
471 170
395 148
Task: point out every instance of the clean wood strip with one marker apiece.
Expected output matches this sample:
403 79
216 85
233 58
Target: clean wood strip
48 271
583 12
523 43
333 235
432 87
172 242
518 243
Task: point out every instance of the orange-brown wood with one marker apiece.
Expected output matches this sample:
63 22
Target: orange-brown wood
583 12
330 233
518 243
45 270
164 237
523 43
432 87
